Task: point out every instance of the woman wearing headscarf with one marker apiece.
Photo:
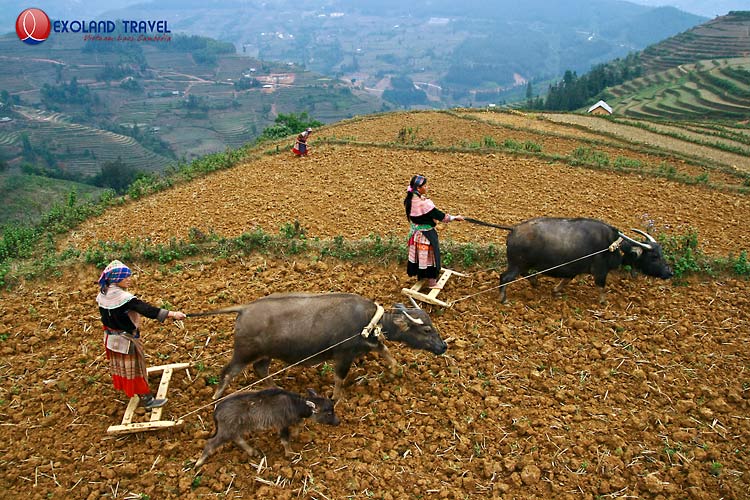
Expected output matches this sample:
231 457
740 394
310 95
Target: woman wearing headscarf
424 246
121 314
300 146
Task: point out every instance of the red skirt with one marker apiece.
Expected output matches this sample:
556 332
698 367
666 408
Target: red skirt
128 370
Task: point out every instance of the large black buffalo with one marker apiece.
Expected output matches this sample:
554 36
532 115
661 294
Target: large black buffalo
297 327
557 245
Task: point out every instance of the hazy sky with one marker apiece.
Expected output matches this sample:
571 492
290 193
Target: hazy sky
9 9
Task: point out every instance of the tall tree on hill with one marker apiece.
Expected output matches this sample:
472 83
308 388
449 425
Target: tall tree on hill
117 175
286 125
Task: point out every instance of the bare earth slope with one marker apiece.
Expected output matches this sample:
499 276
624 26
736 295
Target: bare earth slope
645 396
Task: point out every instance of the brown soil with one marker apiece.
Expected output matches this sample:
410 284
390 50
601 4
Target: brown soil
645 396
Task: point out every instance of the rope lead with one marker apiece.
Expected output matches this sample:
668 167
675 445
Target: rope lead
608 249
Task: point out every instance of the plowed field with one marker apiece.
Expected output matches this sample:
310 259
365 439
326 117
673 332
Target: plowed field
645 396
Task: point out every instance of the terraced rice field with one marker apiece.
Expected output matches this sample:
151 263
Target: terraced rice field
688 92
645 137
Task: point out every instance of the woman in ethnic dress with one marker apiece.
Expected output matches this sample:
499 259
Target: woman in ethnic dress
424 246
121 314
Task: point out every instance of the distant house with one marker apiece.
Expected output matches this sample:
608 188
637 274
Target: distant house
5 119
600 108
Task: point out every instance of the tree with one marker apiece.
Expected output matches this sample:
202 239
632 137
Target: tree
117 175
286 125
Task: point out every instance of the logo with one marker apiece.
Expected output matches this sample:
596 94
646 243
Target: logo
33 26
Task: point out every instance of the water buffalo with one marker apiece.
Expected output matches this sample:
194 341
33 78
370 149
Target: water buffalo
543 243
317 327
245 412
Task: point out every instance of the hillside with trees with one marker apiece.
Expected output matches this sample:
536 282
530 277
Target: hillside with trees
104 114
702 72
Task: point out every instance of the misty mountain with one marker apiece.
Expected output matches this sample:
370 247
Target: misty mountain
456 52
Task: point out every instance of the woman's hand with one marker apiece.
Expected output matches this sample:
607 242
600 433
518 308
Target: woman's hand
458 217
176 315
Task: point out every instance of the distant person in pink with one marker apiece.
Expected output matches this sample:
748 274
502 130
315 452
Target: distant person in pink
300 146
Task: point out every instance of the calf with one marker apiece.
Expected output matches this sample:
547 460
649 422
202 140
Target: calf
246 412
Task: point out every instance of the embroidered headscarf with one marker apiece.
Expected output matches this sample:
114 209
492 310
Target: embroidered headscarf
415 204
416 182
115 272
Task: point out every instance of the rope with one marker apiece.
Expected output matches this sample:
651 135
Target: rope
378 312
608 249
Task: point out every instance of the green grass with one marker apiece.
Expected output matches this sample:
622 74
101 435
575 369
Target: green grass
27 197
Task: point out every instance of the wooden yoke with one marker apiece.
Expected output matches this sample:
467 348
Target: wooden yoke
155 422
431 296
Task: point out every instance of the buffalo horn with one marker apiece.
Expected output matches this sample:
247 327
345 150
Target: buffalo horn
644 234
416 321
636 242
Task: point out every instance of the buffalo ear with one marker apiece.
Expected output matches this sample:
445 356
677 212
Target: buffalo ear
401 322
638 251
312 405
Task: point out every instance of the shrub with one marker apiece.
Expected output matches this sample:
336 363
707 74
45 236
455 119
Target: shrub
741 265
624 162
489 142
589 156
683 254
512 144
469 255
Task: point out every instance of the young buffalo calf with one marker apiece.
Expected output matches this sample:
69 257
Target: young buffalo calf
246 412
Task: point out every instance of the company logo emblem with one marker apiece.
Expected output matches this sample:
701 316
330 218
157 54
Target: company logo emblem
33 26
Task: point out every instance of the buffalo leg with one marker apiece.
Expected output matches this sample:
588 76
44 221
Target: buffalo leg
260 368
558 289
600 279
284 437
243 444
227 374
211 446
505 278
339 375
386 354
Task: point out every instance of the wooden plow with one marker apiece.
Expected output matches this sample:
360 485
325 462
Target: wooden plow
431 296
155 422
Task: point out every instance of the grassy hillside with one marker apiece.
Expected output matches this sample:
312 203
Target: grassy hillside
717 89
27 197
700 73
720 38
67 108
